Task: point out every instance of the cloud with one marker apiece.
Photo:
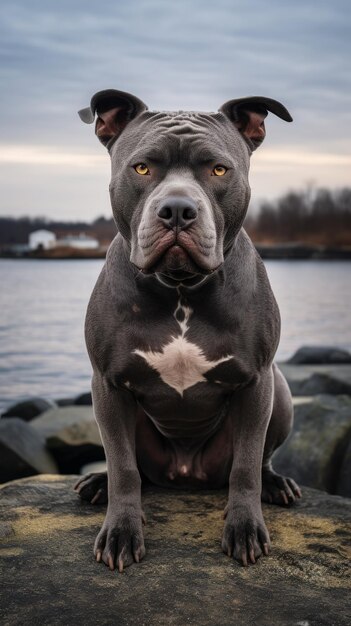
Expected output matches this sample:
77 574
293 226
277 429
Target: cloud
289 157
42 155
182 55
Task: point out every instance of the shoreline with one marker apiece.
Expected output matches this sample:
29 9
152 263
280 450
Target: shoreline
279 252
303 252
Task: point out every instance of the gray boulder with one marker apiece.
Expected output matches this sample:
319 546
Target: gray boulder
70 425
306 380
343 487
65 401
28 409
318 355
94 468
313 454
184 578
22 451
84 399
72 436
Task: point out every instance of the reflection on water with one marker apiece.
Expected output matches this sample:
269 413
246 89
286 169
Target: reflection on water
42 349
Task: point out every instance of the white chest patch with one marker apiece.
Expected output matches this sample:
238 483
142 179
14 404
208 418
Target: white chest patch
180 363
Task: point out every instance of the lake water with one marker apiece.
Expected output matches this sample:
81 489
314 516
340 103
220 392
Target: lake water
43 304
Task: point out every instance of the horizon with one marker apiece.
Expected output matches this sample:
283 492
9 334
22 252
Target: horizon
190 56
309 192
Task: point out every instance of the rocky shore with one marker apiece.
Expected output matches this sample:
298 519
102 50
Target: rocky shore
185 579
40 436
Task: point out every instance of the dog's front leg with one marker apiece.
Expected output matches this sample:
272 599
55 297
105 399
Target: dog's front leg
120 539
245 534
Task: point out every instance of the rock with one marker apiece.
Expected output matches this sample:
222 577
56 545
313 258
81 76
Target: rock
22 451
28 409
320 383
72 436
84 399
343 487
313 453
305 380
93 468
70 425
184 578
65 401
317 355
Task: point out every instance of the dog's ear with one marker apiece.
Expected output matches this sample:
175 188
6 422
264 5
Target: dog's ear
114 109
248 115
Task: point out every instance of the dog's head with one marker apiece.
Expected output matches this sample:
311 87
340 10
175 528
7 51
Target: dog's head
179 185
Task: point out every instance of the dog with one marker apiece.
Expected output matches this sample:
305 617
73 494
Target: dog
182 326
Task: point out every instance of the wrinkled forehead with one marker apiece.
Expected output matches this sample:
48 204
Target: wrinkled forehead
181 135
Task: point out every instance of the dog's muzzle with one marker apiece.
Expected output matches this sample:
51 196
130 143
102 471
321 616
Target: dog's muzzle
177 238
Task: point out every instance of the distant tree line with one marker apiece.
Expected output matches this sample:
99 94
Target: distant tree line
17 230
312 216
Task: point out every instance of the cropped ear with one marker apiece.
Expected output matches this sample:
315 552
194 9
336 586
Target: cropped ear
248 115
114 109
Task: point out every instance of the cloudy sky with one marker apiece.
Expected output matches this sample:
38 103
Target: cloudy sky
184 54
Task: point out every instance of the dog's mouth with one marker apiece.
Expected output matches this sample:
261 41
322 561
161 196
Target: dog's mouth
176 265
179 258
176 260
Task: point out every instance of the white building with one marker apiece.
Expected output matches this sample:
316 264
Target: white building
41 240
82 241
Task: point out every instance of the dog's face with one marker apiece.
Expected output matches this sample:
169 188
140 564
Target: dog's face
179 190
179 185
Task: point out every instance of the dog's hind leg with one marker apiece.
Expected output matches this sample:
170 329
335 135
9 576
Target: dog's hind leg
93 488
277 489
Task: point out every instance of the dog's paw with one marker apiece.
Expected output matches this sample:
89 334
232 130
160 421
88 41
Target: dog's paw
277 489
245 536
92 488
120 541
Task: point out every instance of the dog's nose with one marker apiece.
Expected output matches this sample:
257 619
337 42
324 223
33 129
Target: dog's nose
177 212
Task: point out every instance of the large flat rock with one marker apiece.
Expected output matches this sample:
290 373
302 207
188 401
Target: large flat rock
49 576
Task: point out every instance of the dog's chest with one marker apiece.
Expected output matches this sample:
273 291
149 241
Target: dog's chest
181 363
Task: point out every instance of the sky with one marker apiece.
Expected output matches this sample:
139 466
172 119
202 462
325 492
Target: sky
184 54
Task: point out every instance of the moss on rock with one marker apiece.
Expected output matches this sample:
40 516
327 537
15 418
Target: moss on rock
50 577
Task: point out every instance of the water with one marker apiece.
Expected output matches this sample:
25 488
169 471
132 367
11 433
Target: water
42 350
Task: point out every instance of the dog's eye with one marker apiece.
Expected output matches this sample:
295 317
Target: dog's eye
219 170
142 169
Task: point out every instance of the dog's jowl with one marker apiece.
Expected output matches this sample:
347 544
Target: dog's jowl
182 326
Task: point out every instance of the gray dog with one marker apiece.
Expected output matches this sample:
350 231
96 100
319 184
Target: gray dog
182 325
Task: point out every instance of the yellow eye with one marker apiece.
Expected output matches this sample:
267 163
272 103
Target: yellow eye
219 170
142 169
